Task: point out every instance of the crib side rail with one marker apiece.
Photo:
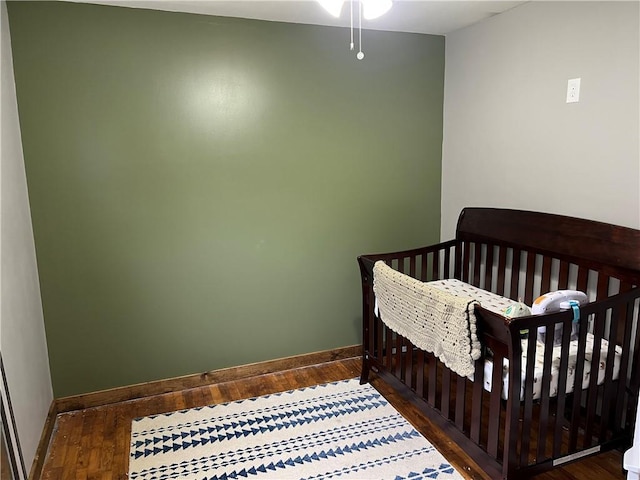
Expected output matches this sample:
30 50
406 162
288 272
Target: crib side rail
589 389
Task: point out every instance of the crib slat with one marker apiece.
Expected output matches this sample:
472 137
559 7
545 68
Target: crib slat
454 268
563 275
388 354
400 266
379 336
528 399
562 391
528 284
468 262
495 398
435 267
488 272
461 385
433 379
476 404
603 286
420 373
465 263
608 375
619 338
423 265
502 261
624 362
577 386
370 330
408 363
515 273
583 278
512 425
446 392
517 263
635 377
544 398
545 282
600 319
477 260
398 356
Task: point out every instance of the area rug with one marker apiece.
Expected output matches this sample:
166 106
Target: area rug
335 430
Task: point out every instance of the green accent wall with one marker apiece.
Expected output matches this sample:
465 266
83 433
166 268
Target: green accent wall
201 186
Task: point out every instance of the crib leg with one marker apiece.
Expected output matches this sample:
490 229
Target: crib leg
364 375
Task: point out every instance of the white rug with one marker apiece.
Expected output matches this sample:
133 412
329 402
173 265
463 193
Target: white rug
336 430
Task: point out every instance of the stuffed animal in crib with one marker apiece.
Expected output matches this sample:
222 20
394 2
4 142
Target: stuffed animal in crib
550 302
516 310
554 302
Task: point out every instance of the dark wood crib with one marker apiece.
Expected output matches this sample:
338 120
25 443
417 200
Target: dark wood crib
521 255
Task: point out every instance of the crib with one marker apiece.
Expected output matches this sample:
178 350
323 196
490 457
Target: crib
510 420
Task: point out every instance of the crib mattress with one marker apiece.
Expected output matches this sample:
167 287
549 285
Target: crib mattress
555 368
499 304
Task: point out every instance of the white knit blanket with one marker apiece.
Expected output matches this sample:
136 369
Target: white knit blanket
432 319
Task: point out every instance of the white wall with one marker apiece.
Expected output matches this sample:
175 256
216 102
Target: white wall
510 138
22 341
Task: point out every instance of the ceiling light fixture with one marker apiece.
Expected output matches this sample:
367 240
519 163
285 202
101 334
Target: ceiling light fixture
375 8
370 9
334 7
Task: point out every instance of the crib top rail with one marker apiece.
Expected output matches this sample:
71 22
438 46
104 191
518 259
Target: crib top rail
610 249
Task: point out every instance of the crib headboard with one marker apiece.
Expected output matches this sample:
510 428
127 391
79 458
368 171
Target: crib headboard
611 249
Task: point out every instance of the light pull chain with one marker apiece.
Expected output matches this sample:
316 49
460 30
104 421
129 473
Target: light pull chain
360 54
351 4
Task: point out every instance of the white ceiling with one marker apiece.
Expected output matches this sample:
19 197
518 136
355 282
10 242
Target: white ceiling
417 16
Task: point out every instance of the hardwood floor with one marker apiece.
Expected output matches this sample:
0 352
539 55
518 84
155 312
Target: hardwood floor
93 443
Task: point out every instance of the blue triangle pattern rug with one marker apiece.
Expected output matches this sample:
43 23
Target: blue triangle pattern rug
336 430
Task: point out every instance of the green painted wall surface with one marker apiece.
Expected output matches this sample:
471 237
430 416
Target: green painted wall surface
201 186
